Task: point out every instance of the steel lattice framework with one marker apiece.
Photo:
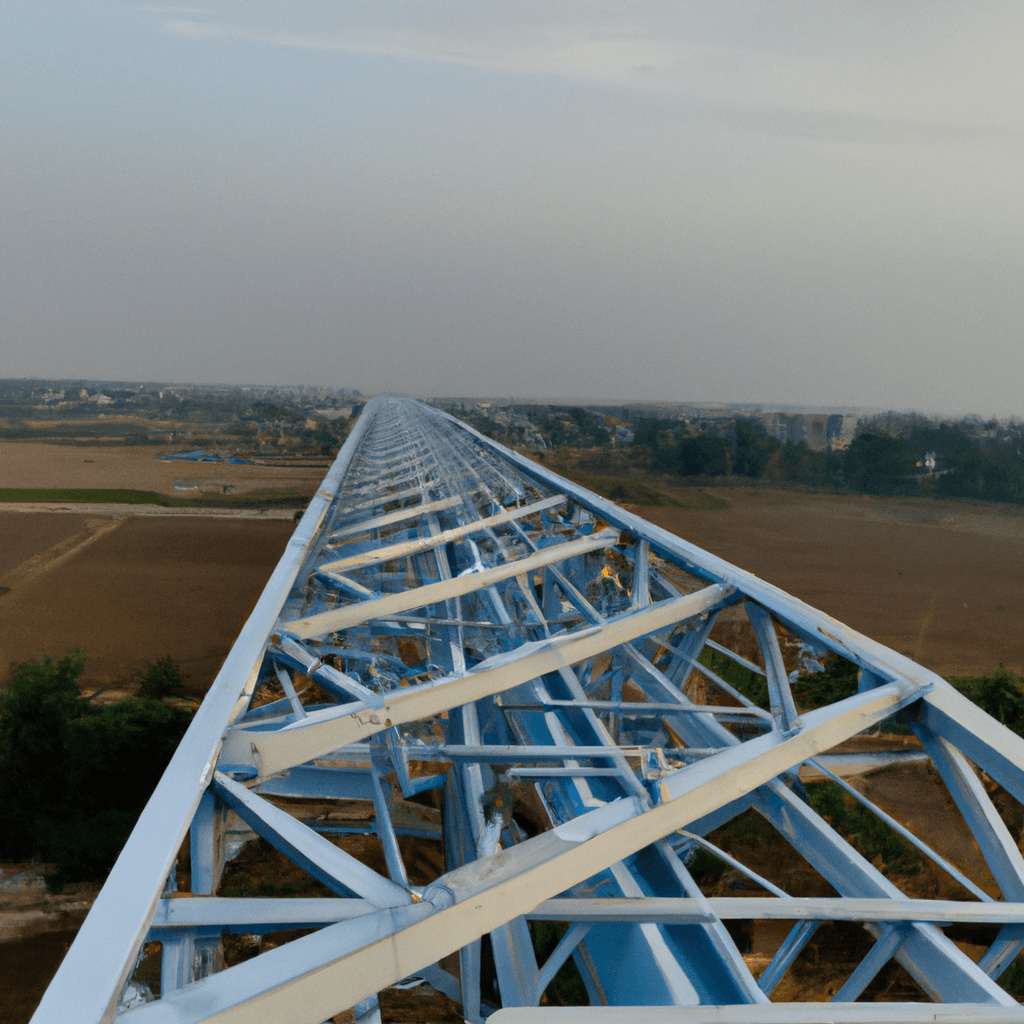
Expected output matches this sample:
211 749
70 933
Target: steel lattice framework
496 638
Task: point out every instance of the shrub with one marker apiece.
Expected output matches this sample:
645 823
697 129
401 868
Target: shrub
162 678
1000 695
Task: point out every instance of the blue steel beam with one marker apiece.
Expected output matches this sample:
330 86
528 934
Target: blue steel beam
452 622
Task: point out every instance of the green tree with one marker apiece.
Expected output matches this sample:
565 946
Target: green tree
878 464
754 447
162 678
703 455
985 474
36 715
74 777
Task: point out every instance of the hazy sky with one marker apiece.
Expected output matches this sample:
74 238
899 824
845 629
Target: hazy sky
808 202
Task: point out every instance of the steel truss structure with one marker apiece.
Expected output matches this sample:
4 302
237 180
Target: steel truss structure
510 667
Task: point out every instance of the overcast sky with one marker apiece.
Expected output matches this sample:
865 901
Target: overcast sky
817 203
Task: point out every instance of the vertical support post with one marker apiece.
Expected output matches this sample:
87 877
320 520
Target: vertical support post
469 975
207 844
368 1011
189 956
197 957
176 961
550 601
516 963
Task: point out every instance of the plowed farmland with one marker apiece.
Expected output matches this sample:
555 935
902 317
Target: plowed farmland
145 587
939 581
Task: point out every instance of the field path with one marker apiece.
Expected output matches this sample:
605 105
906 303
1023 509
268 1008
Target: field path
129 589
49 559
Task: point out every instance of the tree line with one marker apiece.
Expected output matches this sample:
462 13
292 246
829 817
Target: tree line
75 776
890 455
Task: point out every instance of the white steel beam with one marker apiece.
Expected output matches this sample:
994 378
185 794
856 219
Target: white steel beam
320 732
299 982
414 547
434 593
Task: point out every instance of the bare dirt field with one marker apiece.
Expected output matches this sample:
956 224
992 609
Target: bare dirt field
146 587
939 581
942 582
25 537
27 464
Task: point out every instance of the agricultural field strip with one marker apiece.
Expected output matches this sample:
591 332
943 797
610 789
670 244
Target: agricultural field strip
421 544
54 556
126 510
271 914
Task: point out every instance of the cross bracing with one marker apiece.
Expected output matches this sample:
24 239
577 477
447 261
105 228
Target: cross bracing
493 660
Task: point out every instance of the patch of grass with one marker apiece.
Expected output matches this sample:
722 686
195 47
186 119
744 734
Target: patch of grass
838 681
863 829
1000 695
705 864
567 987
630 492
86 495
746 828
260 870
73 495
1012 979
752 685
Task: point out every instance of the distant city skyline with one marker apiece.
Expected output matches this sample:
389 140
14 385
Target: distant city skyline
783 202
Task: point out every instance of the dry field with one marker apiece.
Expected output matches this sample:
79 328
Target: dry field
130 584
134 589
939 581
28 464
